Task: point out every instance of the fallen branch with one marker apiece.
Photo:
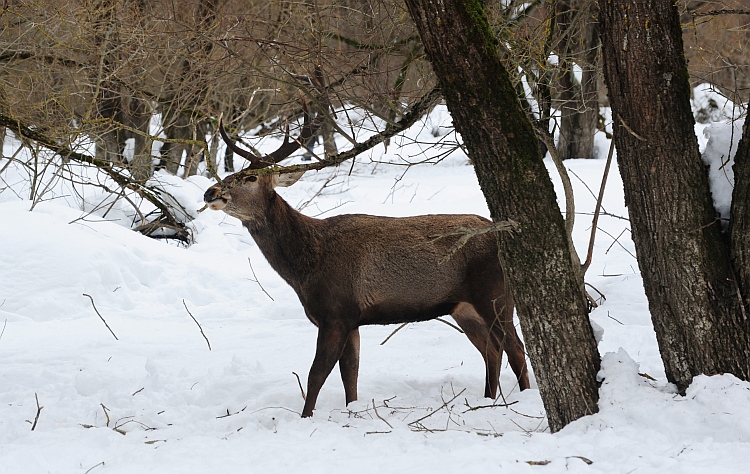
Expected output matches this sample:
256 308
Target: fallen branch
100 316
228 414
444 405
375 408
94 467
38 411
199 324
402 326
106 413
148 193
299 382
493 405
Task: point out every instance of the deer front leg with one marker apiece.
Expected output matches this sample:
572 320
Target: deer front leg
349 366
330 347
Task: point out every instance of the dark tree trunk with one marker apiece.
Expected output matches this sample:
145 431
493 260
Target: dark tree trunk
546 285
682 254
740 225
578 102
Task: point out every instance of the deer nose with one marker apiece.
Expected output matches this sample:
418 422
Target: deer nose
211 194
214 199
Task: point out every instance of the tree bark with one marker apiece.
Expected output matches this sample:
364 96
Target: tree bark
739 226
546 285
578 102
682 254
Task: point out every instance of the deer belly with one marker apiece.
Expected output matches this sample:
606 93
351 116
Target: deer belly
385 313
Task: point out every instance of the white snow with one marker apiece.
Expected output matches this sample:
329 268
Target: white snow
158 400
721 133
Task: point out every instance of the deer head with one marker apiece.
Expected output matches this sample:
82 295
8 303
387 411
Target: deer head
244 194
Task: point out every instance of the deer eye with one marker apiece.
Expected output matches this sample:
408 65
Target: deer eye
251 178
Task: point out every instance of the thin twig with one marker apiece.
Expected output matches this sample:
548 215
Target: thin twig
100 316
3 331
374 407
494 405
317 193
444 405
597 210
617 241
256 280
38 411
199 324
450 324
106 412
614 319
94 467
603 298
230 414
299 382
393 333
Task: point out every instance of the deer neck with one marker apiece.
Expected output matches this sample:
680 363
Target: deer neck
288 239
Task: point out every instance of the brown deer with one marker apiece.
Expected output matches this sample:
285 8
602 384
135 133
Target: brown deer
354 270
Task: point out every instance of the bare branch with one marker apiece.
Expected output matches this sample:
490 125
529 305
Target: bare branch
375 408
299 382
100 316
38 411
199 324
595 221
424 105
256 280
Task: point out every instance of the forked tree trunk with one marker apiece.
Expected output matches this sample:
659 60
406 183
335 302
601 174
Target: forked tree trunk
693 297
546 285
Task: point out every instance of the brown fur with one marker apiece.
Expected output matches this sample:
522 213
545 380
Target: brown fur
354 270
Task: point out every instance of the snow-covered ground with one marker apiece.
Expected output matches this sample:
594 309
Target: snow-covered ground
157 399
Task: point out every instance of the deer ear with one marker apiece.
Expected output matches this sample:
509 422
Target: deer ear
286 179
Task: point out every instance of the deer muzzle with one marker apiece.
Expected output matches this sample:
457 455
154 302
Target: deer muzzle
214 199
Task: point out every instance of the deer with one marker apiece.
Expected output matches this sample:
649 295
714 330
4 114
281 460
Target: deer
355 270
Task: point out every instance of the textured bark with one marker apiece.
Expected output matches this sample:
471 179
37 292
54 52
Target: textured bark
740 219
682 254
546 285
578 101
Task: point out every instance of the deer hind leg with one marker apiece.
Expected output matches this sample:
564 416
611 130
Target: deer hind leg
329 349
515 350
504 330
478 333
349 366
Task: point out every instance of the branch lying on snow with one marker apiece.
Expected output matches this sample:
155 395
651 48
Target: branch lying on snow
417 424
38 411
199 324
148 193
100 316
